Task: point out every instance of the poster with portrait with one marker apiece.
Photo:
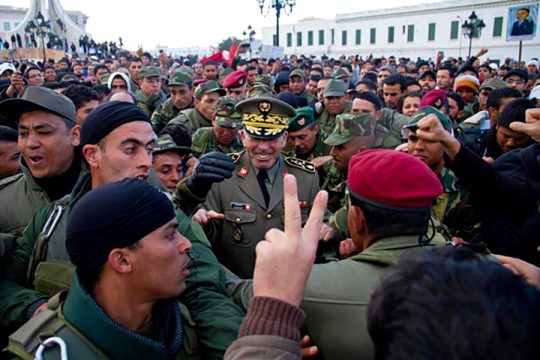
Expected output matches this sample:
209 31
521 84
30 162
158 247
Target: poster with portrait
522 22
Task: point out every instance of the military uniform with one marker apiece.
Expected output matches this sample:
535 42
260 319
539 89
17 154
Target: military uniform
247 218
149 103
192 119
167 111
204 140
334 181
305 117
253 205
334 88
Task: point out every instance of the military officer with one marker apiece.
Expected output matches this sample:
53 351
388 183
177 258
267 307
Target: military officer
206 97
251 201
223 135
180 85
150 95
352 134
306 138
236 84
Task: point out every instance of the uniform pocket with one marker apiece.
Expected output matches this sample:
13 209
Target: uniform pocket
239 229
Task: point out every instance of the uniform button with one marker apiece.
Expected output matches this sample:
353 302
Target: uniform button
268 216
237 220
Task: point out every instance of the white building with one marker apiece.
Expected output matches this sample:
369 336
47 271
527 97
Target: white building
408 31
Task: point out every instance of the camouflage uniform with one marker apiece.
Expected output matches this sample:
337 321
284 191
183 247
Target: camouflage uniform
334 88
192 119
305 94
348 127
151 102
167 111
204 140
305 117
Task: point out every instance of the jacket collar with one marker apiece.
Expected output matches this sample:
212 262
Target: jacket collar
82 311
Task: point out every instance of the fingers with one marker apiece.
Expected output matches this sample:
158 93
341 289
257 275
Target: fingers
312 229
213 215
293 219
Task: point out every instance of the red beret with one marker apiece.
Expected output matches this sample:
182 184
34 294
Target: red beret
435 98
392 178
235 79
198 82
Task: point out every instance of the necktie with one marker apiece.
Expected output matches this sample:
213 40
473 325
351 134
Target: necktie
261 177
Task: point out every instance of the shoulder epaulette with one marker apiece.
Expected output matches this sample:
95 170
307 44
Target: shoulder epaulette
236 156
5 182
300 164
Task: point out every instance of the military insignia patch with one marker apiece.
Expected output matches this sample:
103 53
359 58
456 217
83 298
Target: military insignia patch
235 156
243 171
238 234
301 121
300 164
302 204
265 107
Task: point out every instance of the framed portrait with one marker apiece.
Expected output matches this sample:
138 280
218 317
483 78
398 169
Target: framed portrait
522 22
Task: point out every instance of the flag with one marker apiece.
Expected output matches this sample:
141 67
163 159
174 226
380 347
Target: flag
217 57
231 54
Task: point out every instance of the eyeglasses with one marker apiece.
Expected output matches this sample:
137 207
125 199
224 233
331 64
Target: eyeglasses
35 76
513 81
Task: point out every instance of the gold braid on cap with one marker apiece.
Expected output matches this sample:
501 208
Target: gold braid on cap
265 124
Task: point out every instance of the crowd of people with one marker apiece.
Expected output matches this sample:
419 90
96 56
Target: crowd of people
155 207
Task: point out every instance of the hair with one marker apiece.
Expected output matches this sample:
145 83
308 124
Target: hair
495 97
451 303
210 62
450 70
524 8
371 97
30 68
315 77
485 66
98 67
396 80
102 90
457 98
178 133
384 222
514 111
369 84
134 59
405 95
348 66
80 95
8 134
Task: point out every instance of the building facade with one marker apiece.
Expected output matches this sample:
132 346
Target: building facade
409 31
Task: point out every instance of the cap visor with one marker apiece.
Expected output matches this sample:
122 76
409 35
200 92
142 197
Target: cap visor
333 93
263 137
335 140
13 108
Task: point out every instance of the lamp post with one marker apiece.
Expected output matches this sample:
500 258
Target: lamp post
278 5
250 33
40 27
472 28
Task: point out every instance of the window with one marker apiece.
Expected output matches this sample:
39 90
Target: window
310 38
332 36
298 39
497 26
372 35
321 37
344 37
431 32
410 33
454 30
390 34
289 39
358 36
7 26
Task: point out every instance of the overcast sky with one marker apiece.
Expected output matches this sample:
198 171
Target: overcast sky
197 23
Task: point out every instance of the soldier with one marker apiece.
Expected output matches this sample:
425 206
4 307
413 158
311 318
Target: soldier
306 138
169 161
206 98
236 84
251 202
123 240
351 135
335 102
150 95
116 142
297 85
369 103
223 135
180 84
48 135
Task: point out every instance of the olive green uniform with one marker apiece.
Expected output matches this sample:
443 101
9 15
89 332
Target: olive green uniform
164 113
327 122
204 140
149 103
191 119
247 218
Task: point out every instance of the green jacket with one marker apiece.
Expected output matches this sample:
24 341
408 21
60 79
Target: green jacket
334 181
191 119
149 103
217 316
320 149
164 113
90 334
327 122
204 140
393 121
337 294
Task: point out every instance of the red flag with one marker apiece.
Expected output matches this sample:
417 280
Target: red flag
217 57
232 52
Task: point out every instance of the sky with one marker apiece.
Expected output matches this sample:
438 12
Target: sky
200 23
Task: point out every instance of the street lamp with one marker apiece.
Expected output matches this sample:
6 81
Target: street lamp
40 27
250 33
472 29
278 5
